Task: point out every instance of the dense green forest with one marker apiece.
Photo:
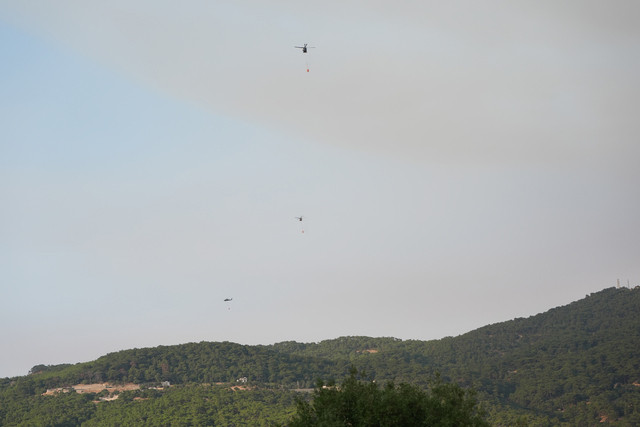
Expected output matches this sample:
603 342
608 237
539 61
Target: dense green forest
183 405
574 365
361 402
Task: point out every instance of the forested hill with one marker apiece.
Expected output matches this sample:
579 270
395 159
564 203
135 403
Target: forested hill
578 364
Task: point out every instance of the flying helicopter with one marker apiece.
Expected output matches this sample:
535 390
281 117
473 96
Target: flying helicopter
228 299
304 48
300 218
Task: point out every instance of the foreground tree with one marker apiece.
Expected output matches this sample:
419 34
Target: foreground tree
364 403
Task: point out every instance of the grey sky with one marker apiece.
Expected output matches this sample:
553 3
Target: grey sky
458 164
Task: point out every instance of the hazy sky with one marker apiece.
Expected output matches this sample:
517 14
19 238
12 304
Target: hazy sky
457 163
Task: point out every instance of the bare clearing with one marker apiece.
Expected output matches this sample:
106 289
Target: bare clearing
92 388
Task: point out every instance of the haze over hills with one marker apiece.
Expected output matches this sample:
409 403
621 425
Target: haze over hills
577 364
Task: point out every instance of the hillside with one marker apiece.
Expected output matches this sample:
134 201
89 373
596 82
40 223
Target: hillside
578 364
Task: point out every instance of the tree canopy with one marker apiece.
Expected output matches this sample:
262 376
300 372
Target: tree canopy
357 402
572 365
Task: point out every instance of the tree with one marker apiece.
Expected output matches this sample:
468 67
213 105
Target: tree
363 403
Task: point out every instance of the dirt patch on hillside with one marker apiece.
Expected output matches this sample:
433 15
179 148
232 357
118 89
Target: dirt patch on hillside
93 388
241 387
368 350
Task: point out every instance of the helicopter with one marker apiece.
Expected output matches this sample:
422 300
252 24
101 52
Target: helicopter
304 48
300 218
228 299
